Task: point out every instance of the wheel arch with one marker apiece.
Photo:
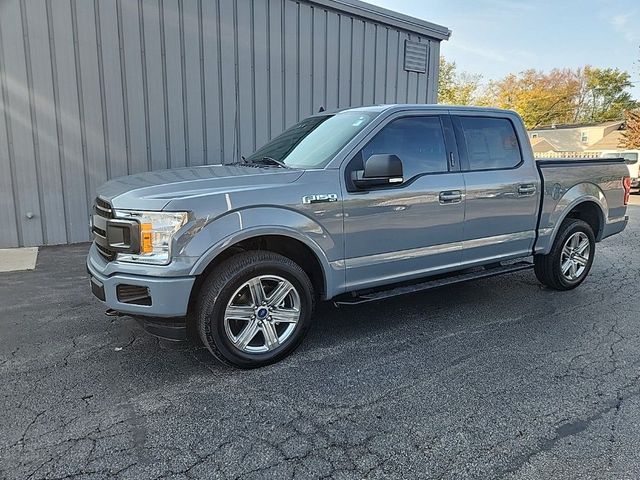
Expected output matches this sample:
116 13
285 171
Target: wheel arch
590 212
585 201
282 240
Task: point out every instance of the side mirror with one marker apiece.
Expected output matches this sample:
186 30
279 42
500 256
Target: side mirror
379 170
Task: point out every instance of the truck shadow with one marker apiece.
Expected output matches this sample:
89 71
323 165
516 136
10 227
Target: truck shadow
340 330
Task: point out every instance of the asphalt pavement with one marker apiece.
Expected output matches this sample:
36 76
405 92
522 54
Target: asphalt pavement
499 378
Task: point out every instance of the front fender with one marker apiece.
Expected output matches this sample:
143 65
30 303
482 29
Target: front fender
556 207
211 239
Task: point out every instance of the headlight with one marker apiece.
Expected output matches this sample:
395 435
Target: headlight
156 231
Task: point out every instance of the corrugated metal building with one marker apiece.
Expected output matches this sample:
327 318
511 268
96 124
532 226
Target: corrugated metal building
92 90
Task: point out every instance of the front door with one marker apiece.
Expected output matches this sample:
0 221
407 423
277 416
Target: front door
396 233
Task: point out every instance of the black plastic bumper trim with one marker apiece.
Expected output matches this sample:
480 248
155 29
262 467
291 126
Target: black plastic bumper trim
97 289
168 329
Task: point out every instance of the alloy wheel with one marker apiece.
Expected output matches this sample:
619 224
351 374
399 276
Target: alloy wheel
575 256
262 314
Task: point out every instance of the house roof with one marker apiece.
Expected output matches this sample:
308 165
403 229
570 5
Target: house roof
565 126
611 141
579 137
567 140
541 145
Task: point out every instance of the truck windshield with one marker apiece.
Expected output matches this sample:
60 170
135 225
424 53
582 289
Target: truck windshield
313 142
632 156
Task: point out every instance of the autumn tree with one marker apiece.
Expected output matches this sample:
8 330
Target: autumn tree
540 98
586 94
631 136
455 87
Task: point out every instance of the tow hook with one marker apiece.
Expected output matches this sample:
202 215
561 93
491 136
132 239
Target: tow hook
113 313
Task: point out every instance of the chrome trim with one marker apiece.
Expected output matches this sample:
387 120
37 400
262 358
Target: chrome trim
103 209
388 279
624 218
320 198
100 222
498 239
449 267
378 258
337 264
496 258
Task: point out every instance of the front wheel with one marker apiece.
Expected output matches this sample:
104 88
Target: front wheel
571 256
254 309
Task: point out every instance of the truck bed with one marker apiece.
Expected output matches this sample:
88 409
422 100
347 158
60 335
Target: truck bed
566 180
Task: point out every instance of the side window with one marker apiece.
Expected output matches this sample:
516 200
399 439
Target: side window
417 141
491 143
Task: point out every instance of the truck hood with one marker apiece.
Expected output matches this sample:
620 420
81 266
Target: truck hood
154 190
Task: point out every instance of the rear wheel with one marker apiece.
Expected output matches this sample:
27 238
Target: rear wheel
571 256
254 309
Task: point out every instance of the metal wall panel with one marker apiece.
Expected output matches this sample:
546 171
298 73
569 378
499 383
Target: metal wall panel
261 73
95 89
17 100
155 100
10 234
44 125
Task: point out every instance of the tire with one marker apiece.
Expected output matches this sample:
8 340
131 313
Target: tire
232 324
573 233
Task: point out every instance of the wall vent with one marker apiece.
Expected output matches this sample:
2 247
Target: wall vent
415 56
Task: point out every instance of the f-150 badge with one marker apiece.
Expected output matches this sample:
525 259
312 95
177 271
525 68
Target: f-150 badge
320 197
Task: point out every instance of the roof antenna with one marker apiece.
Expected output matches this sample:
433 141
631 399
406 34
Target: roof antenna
321 109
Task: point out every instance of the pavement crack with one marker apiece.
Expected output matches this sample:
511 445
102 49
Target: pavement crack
563 431
21 442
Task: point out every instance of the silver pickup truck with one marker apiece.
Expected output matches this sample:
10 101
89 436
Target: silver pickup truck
353 206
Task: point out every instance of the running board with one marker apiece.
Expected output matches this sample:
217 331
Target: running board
436 283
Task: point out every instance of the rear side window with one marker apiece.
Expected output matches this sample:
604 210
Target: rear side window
417 141
491 143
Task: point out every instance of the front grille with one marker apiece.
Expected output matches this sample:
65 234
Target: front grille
133 294
103 209
100 231
106 253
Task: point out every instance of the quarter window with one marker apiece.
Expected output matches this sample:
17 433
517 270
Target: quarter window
417 141
491 143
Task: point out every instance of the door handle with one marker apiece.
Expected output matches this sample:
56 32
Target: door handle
526 189
449 197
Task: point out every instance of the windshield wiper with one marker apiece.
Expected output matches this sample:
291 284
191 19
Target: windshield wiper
268 161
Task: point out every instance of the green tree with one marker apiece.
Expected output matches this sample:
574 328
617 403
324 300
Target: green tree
604 95
457 88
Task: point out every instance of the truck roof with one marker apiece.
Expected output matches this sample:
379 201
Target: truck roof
422 106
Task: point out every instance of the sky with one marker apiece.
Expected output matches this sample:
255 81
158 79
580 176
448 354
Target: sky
497 37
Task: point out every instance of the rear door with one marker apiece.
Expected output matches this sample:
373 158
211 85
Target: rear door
413 229
502 188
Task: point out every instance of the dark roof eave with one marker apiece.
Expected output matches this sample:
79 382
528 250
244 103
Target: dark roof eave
387 17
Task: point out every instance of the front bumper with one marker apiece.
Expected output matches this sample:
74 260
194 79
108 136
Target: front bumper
169 296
